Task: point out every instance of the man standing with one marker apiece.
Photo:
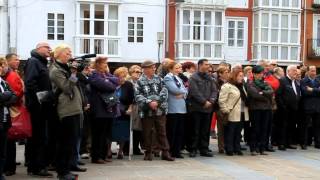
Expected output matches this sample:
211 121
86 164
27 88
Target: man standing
202 96
39 103
16 84
287 97
151 97
310 87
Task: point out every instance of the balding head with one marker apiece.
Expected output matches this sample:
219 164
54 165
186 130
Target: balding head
44 49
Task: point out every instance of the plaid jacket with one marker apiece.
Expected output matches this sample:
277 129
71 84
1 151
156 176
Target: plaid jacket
148 90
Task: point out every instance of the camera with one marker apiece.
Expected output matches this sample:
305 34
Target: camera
80 62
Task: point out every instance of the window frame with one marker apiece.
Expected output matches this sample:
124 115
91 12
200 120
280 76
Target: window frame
56 34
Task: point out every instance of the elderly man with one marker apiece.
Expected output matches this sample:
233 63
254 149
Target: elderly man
287 97
39 103
151 97
202 96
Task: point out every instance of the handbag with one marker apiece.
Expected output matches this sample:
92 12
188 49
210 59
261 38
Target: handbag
224 116
110 99
21 124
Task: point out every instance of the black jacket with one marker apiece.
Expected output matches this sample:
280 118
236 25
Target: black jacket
257 100
7 98
285 95
36 78
310 100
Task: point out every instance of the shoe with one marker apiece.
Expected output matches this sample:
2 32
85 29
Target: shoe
10 173
253 153
206 154
192 154
78 169
291 147
221 151
120 156
282 148
229 153
209 150
269 149
80 163
166 156
147 156
85 156
179 156
18 163
99 161
239 153
243 148
42 173
69 176
263 153
156 154
304 147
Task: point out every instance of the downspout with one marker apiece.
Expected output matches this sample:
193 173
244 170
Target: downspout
8 27
166 30
304 32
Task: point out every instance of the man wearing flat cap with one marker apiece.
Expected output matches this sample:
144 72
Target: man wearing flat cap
151 97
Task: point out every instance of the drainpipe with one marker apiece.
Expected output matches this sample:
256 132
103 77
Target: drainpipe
304 32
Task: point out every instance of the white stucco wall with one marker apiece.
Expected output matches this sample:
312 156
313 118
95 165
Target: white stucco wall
3 28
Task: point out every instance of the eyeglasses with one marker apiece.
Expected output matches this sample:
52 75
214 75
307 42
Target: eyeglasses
138 72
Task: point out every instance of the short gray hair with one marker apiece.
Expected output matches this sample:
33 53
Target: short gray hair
290 67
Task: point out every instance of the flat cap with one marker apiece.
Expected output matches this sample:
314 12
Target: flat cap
147 63
257 69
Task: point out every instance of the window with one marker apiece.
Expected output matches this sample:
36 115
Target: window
278 3
55 26
98 28
218 26
135 29
265 27
274 27
235 33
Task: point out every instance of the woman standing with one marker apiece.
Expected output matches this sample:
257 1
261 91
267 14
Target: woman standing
7 98
121 125
69 108
260 105
230 103
177 110
101 81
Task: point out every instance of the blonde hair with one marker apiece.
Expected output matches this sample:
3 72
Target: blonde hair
246 69
121 71
59 49
133 68
3 61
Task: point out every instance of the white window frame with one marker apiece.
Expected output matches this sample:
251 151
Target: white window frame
56 27
236 29
135 29
260 3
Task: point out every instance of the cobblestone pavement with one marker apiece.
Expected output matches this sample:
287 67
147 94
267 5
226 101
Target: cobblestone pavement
291 164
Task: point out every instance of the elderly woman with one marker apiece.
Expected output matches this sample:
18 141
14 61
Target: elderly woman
189 68
121 125
230 103
101 82
135 73
177 110
69 108
7 98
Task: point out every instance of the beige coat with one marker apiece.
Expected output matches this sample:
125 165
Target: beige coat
229 98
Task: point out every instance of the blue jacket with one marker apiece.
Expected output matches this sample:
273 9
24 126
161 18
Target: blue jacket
175 87
310 100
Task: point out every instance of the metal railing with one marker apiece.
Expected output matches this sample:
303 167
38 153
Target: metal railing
313 48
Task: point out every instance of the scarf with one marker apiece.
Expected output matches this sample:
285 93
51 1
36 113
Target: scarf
261 84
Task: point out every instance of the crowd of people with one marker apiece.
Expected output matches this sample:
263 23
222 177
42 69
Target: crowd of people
78 110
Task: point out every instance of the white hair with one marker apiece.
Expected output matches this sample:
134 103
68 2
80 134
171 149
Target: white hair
291 67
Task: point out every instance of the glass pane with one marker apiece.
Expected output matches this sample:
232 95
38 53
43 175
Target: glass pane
231 24
285 3
113 28
131 32
60 36
218 51
113 12
85 27
284 36
85 10
140 20
50 36
275 2
274 35
218 18
207 18
207 33
196 32
50 16
197 17
230 33
275 20
240 43
60 16
130 39
240 24
255 52
99 11
265 2
274 52
50 23
98 27
50 30
139 26
60 23
139 33
240 33
295 3
186 50
207 50
256 20
264 52
231 42
256 33
264 35
139 39
131 19
196 50
294 21
284 53
294 53
130 26
60 30
186 33
284 21
85 46
294 36
186 17
217 34
113 47
265 20
98 46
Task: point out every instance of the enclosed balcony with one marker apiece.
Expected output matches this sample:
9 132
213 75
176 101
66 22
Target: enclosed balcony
313 48
203 2
316 4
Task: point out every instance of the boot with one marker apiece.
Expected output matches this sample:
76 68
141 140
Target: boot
166 156
147 156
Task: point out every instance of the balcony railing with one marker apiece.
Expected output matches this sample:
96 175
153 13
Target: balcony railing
206 2
313 48
316 4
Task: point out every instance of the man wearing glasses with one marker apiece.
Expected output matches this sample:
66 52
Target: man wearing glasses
37 82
